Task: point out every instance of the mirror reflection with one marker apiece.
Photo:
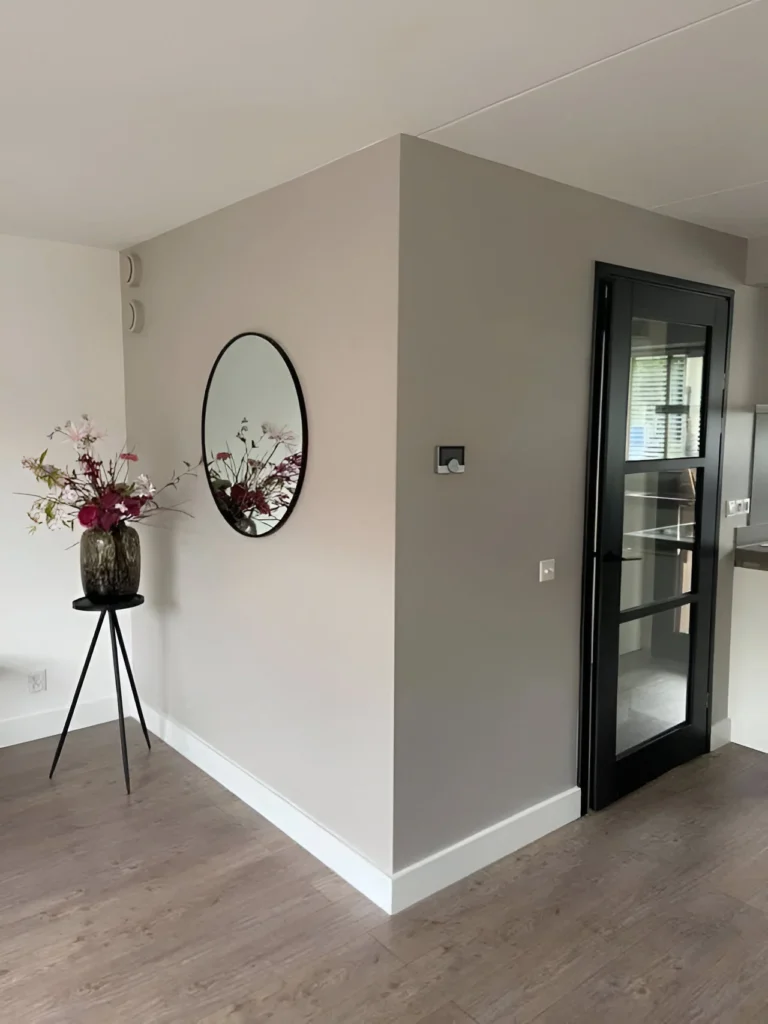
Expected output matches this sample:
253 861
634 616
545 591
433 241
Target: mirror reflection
254 435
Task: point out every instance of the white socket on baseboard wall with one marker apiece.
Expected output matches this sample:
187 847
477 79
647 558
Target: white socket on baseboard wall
131 269
134 316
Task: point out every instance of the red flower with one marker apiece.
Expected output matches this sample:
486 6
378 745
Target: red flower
110 498
239 494
223 455
246 500
88 515
91 466
108 518
132 505
129 456
261 503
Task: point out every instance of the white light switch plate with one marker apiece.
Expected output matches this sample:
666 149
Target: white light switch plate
737 507
546 570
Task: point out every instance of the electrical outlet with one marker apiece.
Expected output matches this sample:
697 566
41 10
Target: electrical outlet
737 507
38 682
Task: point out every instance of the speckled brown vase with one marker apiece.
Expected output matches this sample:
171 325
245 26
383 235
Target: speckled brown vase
110 563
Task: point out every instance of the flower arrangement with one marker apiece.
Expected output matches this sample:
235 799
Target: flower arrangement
94 493
257 481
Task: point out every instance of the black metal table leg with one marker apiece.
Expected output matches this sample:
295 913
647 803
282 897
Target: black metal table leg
124 746
63 736
127 664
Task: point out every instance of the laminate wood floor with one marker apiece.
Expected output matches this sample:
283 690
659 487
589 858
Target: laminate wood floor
179 904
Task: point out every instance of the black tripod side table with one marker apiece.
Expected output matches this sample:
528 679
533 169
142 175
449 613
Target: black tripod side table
109 609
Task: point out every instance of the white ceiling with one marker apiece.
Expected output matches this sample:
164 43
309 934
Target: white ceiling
677 125
120 121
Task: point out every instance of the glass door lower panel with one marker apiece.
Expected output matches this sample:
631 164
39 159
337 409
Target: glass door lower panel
654 676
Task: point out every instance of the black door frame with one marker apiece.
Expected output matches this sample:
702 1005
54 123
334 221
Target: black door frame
606 275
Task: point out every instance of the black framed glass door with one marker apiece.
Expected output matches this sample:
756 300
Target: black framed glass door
651 532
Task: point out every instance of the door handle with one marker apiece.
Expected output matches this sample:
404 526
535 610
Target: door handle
611 556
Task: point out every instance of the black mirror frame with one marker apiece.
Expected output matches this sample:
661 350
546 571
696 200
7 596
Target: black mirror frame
304 430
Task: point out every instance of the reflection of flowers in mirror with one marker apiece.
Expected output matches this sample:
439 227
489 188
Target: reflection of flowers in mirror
280 434
257 481
95 492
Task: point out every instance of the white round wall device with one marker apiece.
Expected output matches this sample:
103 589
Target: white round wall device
131 269
134 319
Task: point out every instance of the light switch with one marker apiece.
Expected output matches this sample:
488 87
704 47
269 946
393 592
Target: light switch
546 570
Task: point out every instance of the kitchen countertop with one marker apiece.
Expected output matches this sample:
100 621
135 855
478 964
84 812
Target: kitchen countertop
752 556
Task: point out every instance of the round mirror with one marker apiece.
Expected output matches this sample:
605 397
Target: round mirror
254 434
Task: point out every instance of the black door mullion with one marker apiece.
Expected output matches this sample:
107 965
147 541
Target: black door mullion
642 611
654 465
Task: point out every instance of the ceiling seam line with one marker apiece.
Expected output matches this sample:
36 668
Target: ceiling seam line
707 195
587 67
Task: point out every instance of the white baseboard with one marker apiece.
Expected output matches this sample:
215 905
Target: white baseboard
391 893
352 866
477 851
50 723
720 734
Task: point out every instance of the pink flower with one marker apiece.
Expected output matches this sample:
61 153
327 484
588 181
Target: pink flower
82 433
77 432
129 456
223 455
88 515
143 488
283 435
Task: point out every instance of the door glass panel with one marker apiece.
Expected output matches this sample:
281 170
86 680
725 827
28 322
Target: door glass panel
654 659
659 536
666 374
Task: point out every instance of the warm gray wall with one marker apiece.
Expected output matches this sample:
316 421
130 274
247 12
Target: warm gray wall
282 652
279 651
496 278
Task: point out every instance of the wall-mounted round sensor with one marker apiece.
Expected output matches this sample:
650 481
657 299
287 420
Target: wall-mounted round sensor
134 316
131 269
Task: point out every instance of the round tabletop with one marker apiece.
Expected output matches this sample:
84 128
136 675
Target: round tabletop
85 604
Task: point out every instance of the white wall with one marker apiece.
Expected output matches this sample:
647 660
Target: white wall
61 345
748 696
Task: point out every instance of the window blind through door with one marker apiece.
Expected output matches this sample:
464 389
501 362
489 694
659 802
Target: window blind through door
661 423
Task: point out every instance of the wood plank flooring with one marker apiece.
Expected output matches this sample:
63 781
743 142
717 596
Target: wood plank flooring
179 905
